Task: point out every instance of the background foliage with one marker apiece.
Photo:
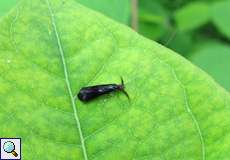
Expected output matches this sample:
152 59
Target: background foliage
198 30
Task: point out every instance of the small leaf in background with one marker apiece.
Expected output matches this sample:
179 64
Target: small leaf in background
6 5
221 16
151 30
153 21
192 16
119 10
214 59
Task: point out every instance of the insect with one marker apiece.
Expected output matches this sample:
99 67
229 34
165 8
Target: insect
91 92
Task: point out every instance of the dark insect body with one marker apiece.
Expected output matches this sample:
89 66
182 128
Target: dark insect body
91 92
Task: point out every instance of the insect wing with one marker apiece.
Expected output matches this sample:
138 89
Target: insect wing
88 93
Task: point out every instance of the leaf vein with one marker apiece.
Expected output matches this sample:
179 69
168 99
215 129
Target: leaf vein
67 81
188 108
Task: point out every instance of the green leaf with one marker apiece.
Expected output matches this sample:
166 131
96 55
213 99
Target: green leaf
220 12
116 9
152 11
151 30
146 16
214 59
6 5
153 20
49 49
192 16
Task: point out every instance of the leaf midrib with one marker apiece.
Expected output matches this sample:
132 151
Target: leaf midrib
67 80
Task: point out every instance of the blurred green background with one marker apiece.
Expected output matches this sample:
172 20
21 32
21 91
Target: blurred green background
198 30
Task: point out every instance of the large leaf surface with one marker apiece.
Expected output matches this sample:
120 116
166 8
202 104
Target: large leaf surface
49 49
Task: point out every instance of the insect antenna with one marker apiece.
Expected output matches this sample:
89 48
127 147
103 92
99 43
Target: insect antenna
123 90
122 82
127 95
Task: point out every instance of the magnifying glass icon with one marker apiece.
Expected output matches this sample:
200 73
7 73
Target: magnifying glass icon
9 147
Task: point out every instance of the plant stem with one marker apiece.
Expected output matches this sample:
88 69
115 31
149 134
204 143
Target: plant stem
134 10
